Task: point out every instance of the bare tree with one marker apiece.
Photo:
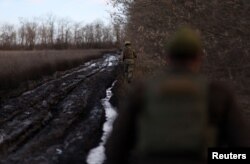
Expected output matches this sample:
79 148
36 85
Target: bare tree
48 33
43 36
77 35
89 34
51 29
98 26
108 38
31 29
7 36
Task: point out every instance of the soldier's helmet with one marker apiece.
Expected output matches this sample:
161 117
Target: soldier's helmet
127 43
185 45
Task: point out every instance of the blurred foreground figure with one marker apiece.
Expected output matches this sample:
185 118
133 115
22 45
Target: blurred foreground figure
129 57
176 116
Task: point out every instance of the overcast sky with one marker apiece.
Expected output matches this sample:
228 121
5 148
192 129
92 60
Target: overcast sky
78 10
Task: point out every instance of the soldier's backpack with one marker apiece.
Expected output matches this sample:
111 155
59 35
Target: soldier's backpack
175 120
128 53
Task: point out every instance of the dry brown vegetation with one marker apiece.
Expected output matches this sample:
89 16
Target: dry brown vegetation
223 24
19 66
224 27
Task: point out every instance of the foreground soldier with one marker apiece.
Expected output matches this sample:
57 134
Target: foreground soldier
129 57
178 114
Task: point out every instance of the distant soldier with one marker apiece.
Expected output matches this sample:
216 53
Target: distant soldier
129 57
178 114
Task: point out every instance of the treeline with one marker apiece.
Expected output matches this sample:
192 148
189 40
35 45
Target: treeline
51 32
224 26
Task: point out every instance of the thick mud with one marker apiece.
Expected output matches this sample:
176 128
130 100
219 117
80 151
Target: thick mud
59 121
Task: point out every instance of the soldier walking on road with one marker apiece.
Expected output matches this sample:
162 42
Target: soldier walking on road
175 116
129 57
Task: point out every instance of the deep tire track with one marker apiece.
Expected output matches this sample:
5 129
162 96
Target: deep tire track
45 119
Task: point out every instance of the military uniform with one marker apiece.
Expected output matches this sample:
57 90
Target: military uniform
222 114
177 115
129 57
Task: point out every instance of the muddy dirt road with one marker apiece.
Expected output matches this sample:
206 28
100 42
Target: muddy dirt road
59 121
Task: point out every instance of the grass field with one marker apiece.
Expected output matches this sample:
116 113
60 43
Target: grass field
20 66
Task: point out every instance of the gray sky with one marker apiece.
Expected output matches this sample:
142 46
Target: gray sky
77 10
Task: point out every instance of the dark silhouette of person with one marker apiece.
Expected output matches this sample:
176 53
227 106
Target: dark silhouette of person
128 56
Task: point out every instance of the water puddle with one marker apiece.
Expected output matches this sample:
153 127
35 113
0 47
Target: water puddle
111 60
97 155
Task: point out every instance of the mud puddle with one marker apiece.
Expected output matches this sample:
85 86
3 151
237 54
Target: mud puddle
60 120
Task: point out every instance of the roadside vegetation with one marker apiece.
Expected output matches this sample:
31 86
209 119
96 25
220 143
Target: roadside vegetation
41 46
224 27
20 66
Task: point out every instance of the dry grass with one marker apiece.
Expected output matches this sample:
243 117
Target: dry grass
20 66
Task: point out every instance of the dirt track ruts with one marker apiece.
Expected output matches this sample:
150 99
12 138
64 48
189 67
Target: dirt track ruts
59 121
